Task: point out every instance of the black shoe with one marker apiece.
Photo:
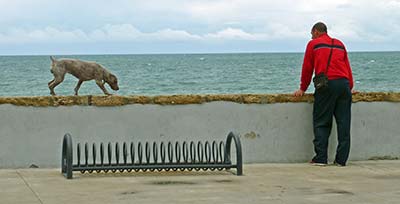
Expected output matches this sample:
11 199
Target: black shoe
339 165
312 162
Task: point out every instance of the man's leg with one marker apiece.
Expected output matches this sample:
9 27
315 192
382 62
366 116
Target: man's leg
324 104
343 120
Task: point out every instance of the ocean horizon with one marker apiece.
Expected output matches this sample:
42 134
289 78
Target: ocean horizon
188 53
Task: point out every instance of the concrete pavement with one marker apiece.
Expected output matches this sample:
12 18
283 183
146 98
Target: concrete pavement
360 182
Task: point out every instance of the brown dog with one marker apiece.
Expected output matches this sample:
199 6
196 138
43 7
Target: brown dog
84 71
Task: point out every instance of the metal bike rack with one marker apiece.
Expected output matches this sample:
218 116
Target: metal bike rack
151 156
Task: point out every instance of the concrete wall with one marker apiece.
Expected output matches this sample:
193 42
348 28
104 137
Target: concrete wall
278 132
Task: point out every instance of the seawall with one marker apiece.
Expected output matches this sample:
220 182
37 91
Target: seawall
273 128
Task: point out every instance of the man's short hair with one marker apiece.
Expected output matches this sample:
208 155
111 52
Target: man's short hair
320 27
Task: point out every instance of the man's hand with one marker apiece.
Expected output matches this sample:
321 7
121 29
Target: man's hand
298 93
354 91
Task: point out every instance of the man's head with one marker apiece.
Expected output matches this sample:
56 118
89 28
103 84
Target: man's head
318 29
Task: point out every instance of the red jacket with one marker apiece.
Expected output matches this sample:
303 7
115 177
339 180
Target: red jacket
316 58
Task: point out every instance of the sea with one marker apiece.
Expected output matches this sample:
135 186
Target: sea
170 74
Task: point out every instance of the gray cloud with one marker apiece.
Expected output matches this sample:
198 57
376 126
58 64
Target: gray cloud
357 22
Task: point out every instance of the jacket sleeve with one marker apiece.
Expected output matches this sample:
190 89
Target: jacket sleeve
349 72
308 68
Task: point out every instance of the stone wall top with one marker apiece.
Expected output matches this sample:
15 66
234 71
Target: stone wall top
116 100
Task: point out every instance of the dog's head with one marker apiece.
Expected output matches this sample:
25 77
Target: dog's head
112 81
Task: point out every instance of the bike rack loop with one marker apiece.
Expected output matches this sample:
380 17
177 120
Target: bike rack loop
188 156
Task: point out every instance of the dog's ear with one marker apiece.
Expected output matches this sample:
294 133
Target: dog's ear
53 59
112 78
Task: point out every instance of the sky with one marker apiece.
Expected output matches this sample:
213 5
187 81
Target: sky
56 27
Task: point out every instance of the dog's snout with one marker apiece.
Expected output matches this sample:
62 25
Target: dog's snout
115 87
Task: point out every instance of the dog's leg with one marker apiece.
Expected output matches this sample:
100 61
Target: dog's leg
55 82
77 87
101 85
48 84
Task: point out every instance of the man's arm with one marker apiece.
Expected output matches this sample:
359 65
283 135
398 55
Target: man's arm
307 68
349 71
306 71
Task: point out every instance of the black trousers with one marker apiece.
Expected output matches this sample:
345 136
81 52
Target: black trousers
334 101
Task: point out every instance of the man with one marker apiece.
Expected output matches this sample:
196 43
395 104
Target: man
333 101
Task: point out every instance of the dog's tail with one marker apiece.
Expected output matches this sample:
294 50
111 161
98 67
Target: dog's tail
52 60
